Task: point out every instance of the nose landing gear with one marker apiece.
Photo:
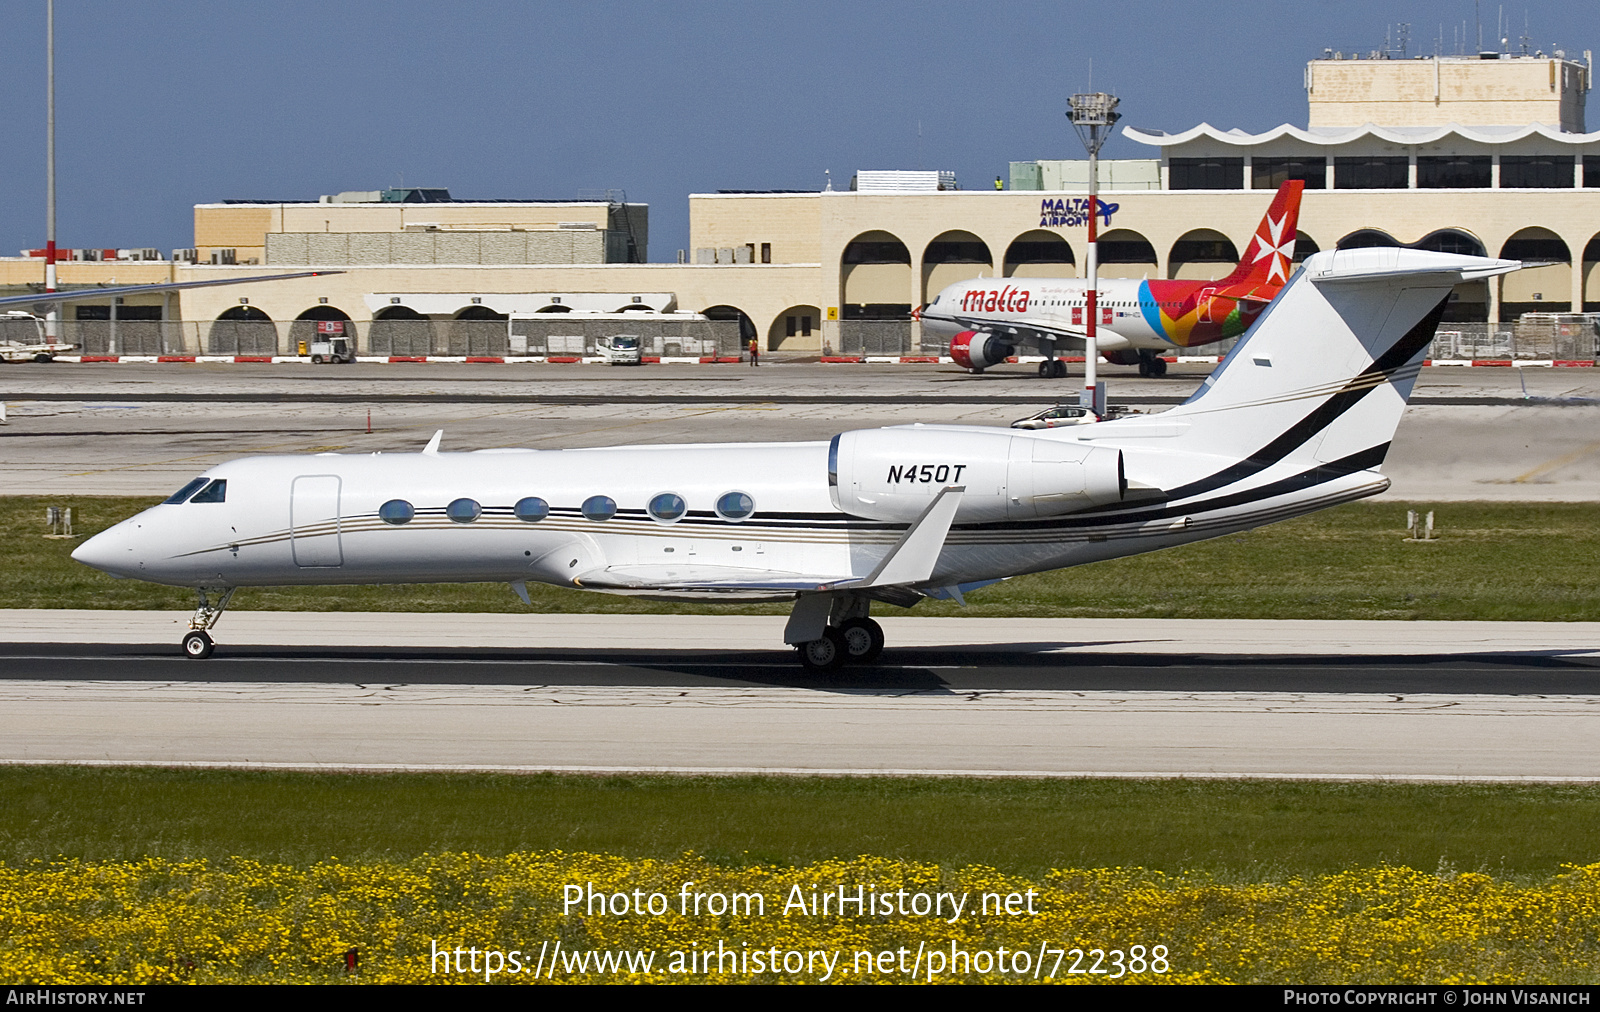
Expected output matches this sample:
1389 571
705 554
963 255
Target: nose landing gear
197 643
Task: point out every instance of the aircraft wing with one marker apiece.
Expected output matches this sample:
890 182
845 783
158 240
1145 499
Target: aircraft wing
86 294
1022 331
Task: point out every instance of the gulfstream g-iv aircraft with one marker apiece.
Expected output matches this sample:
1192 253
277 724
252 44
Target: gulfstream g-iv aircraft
988 318
1297 418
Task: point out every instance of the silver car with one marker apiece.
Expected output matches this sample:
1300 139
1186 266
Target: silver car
1056 417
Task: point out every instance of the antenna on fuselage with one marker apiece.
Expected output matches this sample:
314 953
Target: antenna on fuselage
433 444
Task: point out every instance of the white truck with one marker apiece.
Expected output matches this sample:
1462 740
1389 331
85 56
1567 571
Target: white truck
22 339
620 349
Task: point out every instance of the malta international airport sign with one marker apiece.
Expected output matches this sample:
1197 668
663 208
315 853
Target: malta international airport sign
1072 212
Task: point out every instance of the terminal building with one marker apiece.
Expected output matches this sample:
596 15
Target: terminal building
1487 155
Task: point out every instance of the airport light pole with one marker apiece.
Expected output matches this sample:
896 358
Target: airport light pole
1093 115
50 163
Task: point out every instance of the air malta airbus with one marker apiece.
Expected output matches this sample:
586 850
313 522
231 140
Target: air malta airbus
1298 418
988 318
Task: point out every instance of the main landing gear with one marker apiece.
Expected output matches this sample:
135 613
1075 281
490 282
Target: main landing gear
1052 368
1152 364
858 641
850 637
197 643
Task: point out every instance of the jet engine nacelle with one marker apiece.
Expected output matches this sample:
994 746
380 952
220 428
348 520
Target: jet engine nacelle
893 474
973 349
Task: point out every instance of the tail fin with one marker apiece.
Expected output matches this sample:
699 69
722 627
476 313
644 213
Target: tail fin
1267 259
1322 378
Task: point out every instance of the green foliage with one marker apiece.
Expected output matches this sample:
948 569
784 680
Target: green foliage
1237 829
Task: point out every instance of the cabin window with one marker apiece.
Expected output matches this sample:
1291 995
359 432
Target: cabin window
186 491
667 507
396 512
735 505
531 510
463 511
599 508
217 491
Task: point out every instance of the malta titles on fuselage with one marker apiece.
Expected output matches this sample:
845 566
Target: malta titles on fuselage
988 319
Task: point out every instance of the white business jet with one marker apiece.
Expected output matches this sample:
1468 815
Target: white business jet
1296 419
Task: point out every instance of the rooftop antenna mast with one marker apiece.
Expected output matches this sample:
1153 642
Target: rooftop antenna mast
50 162
1093 115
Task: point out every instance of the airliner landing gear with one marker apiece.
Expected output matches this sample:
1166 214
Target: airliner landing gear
1152 364
1052 368
197 644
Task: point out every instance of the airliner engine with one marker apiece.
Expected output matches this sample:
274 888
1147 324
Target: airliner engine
893 474
973 349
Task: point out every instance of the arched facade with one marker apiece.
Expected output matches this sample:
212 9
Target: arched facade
400 330
1125 253
952 256
478 332
747 327
1040 254
1366 238
242 330
875 277
1544 288
1202 254
1451 240
304 329
1590 283
796 328
1304 246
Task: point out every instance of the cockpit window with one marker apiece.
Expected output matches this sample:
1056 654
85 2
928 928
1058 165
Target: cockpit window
217 491
186 491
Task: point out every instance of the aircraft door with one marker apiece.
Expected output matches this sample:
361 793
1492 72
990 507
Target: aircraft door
314 532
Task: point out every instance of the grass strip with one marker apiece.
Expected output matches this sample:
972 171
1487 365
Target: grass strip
1492 561
1248 830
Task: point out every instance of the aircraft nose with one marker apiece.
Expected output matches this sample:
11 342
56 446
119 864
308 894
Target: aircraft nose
109 551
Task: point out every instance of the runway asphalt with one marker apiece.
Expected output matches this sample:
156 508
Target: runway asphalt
707 694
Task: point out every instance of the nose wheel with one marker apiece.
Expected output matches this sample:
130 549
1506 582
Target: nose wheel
198 645
211 603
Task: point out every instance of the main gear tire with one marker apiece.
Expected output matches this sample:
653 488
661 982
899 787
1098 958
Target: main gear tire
863 640
824 655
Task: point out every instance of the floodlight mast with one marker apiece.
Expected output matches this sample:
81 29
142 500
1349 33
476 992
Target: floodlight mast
1093 115
50 163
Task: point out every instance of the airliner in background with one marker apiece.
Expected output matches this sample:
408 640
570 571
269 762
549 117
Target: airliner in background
988 319
1299 417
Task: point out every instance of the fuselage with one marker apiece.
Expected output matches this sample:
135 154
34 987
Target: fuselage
754 521
1131 313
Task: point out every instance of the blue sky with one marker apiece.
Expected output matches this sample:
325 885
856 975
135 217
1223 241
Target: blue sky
162 105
